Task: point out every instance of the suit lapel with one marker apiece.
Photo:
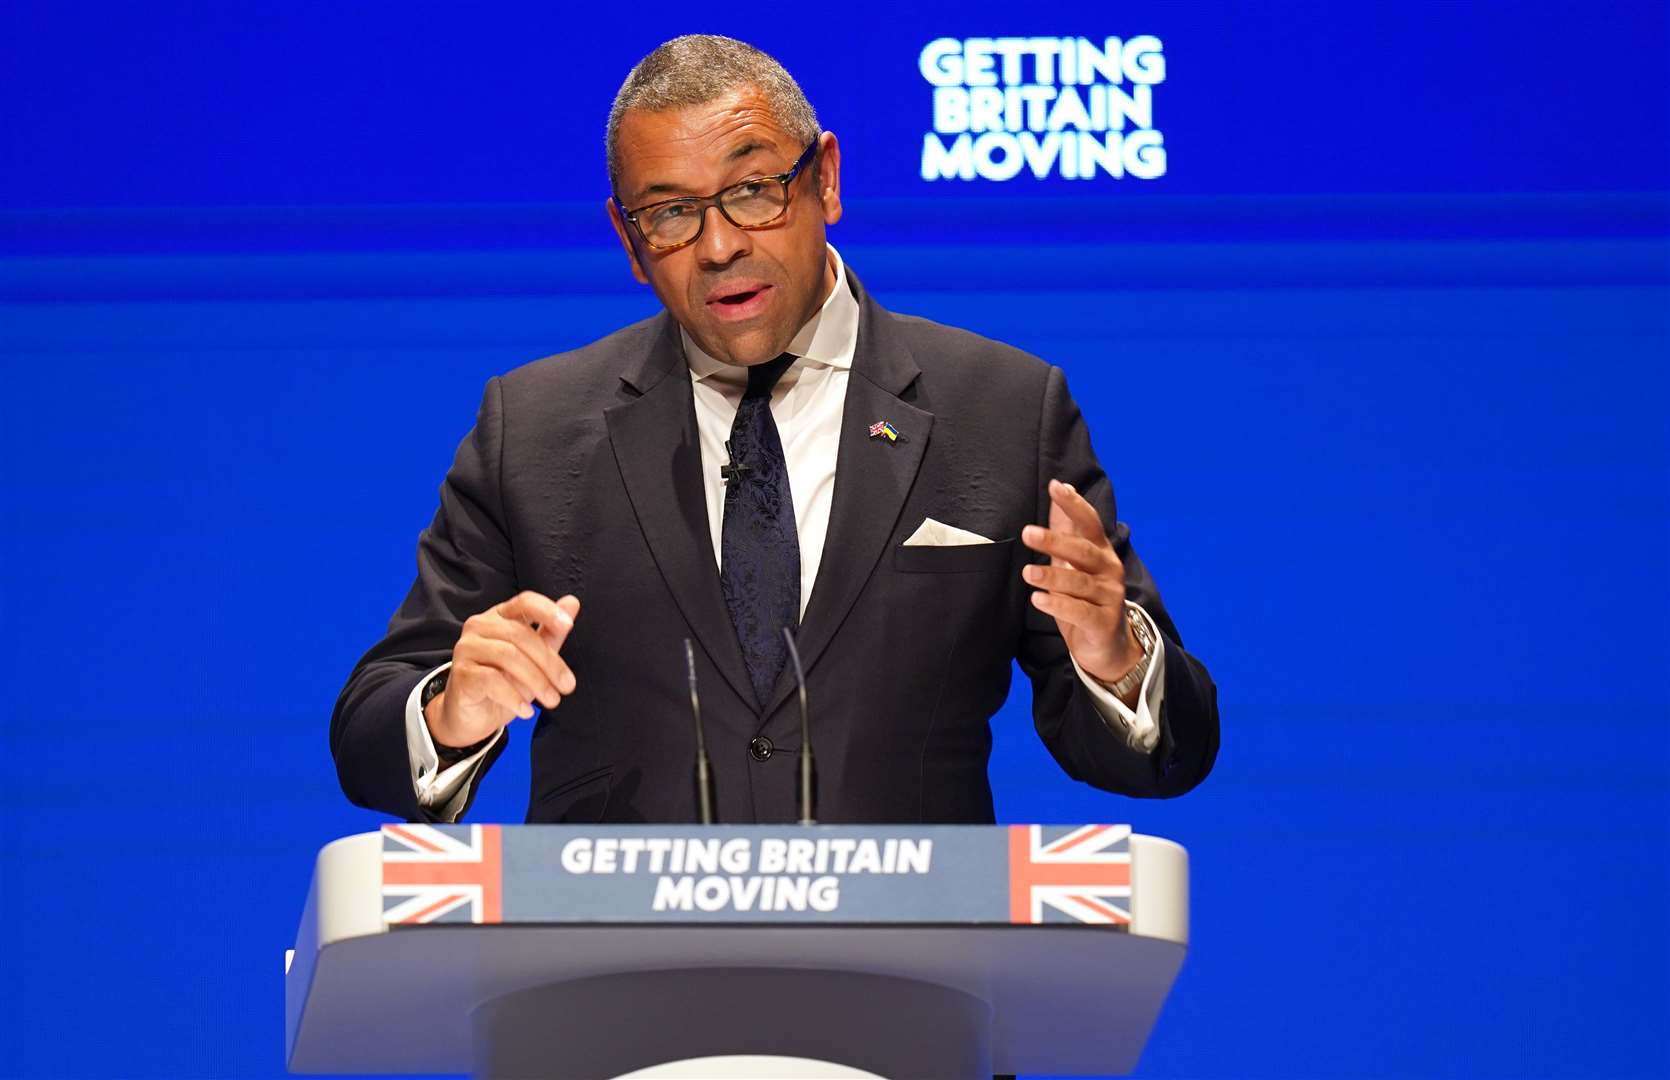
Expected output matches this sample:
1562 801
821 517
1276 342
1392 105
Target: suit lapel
872 478
660 458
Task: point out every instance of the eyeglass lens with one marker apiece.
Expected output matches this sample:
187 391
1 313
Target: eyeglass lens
747 205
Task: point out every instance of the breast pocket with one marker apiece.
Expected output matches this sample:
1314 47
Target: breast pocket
954 559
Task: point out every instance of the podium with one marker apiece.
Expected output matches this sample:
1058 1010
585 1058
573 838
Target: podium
780 951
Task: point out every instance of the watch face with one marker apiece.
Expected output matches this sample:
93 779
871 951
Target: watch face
433 689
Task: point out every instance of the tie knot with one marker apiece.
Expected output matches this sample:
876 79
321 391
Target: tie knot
762 377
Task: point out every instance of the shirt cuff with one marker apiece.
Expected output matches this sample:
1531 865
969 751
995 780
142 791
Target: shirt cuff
1140 727
440 790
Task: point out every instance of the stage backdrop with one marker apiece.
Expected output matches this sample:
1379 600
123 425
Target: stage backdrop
1366 305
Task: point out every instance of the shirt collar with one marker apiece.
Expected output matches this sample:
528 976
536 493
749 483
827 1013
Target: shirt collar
829 338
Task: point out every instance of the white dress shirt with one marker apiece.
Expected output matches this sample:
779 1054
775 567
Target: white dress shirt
806 405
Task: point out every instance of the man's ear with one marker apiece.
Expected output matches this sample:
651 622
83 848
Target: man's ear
829 177
625 240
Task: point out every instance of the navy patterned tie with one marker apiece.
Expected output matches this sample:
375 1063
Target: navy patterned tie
759 555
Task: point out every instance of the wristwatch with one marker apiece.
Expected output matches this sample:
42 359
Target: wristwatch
1137 621
432 689
449 755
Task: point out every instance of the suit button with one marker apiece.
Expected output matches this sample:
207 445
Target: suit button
759 748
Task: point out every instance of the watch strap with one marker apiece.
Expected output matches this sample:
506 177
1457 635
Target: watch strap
1137 621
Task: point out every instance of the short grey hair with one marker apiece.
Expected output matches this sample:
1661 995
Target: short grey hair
698 68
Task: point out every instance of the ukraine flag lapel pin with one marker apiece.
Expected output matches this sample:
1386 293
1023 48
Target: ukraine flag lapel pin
884 429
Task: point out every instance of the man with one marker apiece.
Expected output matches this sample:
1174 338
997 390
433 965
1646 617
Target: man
775 450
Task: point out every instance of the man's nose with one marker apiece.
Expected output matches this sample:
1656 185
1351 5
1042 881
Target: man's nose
721 243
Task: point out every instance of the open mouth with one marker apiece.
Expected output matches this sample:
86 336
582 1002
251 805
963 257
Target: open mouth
740 302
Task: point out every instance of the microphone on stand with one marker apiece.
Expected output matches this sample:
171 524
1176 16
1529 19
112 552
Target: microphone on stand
704 773
805 756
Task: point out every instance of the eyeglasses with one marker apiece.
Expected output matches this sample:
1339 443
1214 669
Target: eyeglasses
750 204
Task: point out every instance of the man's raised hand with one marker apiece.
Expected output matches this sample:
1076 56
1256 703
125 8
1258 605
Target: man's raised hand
507 658
1083 586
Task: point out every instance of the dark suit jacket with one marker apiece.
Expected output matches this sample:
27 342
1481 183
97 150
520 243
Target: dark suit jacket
583 475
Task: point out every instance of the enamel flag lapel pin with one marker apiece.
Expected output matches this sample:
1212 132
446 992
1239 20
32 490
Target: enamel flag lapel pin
884 429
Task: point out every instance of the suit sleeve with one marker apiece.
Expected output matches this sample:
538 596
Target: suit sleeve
464 566
1063 711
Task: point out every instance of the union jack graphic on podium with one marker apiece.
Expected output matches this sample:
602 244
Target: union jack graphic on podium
1070 873
440 874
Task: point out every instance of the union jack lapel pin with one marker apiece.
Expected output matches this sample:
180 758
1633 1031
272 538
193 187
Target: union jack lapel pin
884 429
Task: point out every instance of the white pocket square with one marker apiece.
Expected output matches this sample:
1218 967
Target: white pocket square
933 533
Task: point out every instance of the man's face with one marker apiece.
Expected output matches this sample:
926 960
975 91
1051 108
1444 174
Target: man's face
742 294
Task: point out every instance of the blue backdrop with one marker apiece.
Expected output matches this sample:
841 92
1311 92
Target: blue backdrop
1378 365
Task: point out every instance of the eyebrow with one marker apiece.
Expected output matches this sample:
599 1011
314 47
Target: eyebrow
743 150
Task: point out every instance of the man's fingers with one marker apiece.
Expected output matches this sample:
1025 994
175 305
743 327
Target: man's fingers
493 684
1084 615
1059 522
561 675
507 660
556 629
1074 549
1061 525
550 621
501 693
527 607
1086 521
1066 581
538 648
528 677
554 618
